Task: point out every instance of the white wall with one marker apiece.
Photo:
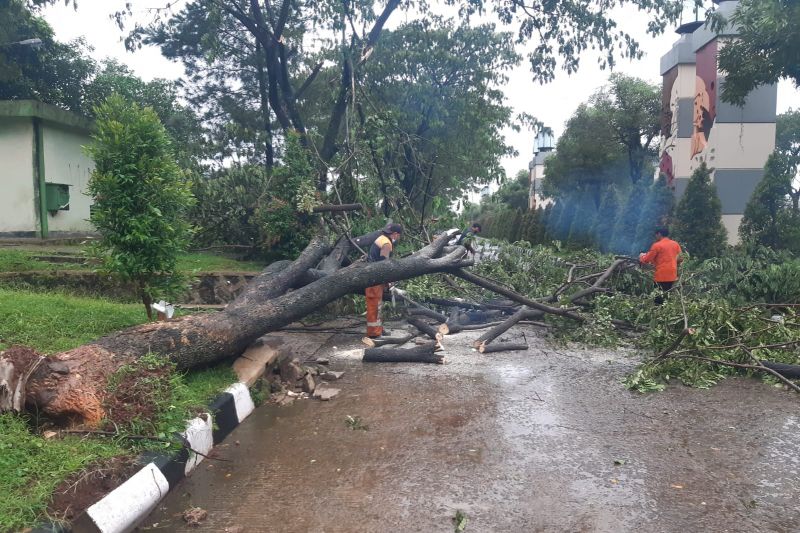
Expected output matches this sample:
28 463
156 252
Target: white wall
65 162
17 201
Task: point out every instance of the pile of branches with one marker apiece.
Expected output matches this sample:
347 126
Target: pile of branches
698 336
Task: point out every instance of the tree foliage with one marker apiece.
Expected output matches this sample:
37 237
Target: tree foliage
769 219
140 197
698 217
655 213
767 47
609 140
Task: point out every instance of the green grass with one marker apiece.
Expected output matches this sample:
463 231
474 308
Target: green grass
12 260
208 262
32 467
51 323
25 261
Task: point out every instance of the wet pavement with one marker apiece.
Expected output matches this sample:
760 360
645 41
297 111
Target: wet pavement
543 440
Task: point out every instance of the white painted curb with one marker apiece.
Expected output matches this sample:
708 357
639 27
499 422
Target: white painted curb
131 502
200 434
242 400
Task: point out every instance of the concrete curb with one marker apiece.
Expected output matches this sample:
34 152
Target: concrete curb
122 509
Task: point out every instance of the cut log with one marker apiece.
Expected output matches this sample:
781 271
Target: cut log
523 314
451 329
383 341
524 300
419 354
71 386
444 302
424 327
502 347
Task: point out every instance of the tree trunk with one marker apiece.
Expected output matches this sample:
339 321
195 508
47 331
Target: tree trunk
419 354
71 386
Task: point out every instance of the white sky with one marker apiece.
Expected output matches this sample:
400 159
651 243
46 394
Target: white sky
552 103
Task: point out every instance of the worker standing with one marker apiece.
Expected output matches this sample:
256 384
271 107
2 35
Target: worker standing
467 237
664 254
380 250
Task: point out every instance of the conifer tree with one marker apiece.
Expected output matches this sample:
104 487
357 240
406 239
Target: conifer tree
655 213
769 218
628 221
606 219
565 220
580 230
553 219
698 217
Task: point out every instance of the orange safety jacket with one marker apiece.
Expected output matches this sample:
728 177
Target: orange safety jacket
664 255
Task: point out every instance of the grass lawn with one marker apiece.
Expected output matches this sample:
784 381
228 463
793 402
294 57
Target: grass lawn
16 260
31 467
55 322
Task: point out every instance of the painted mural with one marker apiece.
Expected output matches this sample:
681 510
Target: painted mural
705 98
669 126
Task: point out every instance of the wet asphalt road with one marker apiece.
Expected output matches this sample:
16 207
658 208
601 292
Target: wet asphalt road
544 440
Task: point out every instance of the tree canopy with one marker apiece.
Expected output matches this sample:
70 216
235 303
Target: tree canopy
767 47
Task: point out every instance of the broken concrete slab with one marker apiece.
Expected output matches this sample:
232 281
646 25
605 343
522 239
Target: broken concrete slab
291 371
250 366
322 361
308 383
331 375
326 393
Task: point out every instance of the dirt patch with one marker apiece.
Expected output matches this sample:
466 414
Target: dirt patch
132 391
85 488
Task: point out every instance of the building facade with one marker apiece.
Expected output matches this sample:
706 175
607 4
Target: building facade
697 126
543 149
45 172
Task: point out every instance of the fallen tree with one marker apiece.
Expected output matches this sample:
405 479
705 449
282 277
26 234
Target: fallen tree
70 386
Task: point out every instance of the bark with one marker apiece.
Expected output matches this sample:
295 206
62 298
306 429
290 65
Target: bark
70 386
502 347
377 343
515 296
425 328
523 314
419 354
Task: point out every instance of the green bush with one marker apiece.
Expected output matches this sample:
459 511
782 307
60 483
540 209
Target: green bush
141 198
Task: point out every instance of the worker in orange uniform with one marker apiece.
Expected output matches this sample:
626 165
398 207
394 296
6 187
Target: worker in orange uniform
380 250
665 255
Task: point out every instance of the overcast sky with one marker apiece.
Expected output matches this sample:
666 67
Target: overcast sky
552 103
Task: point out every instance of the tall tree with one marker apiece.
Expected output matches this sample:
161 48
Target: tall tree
51 72
436 116
769 219
606 219
628 221
515 193
766 49
787 144
586 157
611 139
655 212
275 42
632 108
698 217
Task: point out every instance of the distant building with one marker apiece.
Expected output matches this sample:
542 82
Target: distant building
697 126
543 149
44 173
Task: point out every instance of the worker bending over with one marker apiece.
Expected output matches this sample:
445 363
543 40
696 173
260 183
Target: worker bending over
664 254
380 250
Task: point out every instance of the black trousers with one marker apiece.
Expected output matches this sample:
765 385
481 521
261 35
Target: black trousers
665 287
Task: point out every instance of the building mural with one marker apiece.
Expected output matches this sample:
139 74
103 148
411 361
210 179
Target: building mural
696 126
